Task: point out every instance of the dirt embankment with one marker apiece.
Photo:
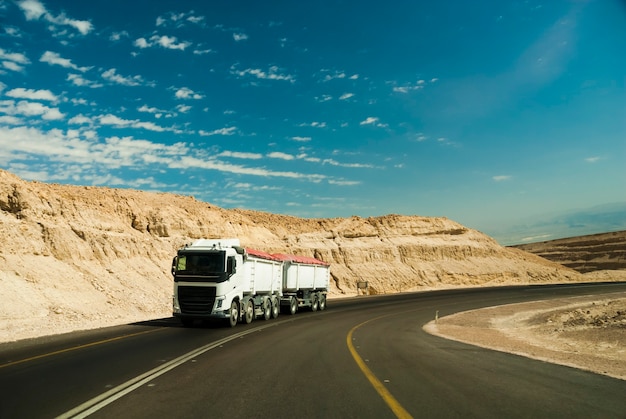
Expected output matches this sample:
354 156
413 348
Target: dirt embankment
595 252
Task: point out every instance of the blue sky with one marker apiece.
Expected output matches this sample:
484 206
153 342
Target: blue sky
506 116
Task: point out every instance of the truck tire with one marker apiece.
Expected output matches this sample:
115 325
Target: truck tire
293 305
322 302
275 307
315 303
234 314
267 309
248 314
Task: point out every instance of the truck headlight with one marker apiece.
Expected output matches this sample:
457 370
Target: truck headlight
175 305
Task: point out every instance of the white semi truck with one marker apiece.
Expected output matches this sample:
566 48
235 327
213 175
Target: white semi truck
219 279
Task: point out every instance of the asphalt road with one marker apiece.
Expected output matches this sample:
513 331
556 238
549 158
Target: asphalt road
365 357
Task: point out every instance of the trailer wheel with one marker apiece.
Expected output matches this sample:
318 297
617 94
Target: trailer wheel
293 305
248 314
322 302
315 303
267 309
234 314
275 307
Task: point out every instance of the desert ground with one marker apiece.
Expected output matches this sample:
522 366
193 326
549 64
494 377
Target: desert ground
583 332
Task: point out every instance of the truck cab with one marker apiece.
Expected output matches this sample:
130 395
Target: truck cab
206 279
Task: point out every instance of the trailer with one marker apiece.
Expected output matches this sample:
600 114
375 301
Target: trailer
219 279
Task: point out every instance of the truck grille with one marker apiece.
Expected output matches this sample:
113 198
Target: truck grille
196 300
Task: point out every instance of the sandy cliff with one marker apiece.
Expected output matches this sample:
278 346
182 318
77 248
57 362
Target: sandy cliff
80 257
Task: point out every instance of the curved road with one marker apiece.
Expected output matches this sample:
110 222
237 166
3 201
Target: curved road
363 357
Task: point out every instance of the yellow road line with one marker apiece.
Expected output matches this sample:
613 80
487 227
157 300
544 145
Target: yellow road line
391 401
74 348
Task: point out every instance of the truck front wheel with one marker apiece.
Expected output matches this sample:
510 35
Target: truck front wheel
234 314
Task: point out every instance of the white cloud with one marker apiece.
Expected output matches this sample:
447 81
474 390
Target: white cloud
344 182
346 96
593 159
35 10
202 51
301 139
29 109
183 108
32 9
117 36
13 31
333 75
221 131
240 37
501 178
21 93
80 119
141 43
78 80
187 93
10 65
179 19
370 120
118 122
170 42
240 155
314 124
280 155
14 57
112 76
164 41
54 58
273 73
10 120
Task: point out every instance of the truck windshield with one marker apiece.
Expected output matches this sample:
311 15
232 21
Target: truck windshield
201 263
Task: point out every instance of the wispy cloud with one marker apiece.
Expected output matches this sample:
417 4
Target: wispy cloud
118 122
35 10
21 93
54 58
240 155
280 155
370 120
179 20
240 37
30 109
79 80
187 93
163 41
112 76
13 61
501 178
273 73
220 131
593 159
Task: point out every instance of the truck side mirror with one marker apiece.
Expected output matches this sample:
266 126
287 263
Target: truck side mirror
174 262
231 265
